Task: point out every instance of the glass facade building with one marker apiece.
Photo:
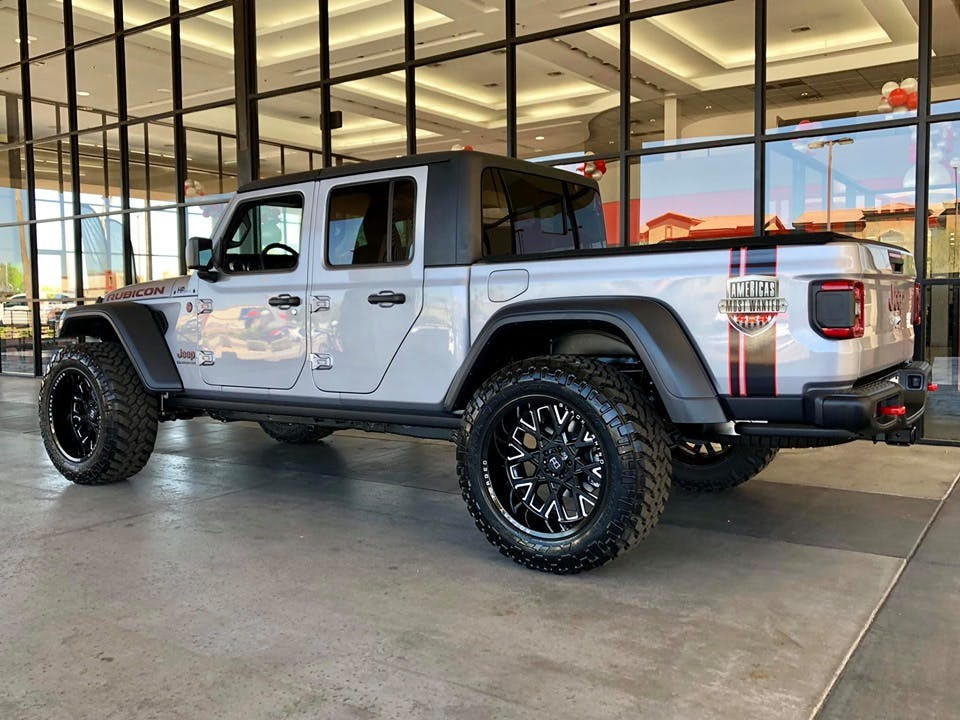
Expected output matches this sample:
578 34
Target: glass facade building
125 125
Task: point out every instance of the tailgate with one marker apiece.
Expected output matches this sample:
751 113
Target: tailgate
889 278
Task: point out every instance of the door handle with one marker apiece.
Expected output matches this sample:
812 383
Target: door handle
284 301
387 297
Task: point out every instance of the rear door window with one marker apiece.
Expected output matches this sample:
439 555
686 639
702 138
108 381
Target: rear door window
371 223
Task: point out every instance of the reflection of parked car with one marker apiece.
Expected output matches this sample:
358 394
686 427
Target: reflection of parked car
52 308
16 310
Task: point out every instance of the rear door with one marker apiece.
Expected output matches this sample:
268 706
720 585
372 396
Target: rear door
367 282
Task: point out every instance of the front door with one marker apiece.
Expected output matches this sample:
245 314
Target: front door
367 288
253 319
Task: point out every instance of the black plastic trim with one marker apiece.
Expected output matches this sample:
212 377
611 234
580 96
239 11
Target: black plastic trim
135 325
415 416
656 335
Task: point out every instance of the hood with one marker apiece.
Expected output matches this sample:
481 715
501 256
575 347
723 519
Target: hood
154 290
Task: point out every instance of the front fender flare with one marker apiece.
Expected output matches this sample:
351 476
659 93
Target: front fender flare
137 330
656 335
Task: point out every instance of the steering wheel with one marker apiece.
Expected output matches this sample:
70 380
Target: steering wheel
279 246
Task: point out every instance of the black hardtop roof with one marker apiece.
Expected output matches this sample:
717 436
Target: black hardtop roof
469 161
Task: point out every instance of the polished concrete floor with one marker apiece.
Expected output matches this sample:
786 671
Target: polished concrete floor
238 578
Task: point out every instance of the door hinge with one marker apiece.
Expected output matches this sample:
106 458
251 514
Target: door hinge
319 302
205 357
320 362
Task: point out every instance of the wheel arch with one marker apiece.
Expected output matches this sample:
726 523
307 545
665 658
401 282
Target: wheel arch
643 328
139 332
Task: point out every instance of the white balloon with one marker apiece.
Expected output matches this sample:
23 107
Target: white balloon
910 85
884 106
888 88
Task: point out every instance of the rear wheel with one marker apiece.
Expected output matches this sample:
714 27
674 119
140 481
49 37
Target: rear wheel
562 463
98 422
710 466
295 433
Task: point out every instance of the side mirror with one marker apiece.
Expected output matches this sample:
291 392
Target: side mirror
199 253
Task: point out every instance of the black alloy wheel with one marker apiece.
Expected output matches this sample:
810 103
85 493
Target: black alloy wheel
545 466
74 415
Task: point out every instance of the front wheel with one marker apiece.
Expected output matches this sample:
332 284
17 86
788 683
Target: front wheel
562 463
98 422
709 467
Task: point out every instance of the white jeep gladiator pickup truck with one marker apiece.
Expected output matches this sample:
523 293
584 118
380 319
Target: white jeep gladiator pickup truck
473 297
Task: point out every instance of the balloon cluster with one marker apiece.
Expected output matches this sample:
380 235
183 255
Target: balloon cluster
193 188
593 169
898 97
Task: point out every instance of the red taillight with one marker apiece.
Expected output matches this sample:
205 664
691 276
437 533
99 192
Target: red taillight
827 315
917 304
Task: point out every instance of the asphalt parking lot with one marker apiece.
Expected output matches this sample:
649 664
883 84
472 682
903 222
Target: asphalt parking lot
238 578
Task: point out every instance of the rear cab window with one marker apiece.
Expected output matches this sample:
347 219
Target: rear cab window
528 214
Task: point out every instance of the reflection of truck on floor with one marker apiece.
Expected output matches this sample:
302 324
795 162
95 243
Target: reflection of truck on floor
471 297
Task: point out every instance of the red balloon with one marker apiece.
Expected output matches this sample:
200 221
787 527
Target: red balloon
898 98
912 101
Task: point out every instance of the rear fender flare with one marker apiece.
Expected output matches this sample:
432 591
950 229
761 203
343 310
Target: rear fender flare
655 334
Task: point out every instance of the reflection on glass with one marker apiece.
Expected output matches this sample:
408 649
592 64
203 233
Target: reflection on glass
693 74
942 322
92 20
451 26
368 35
462 103
206 57
208 173
162 171
48 79
859 65
568 94
537 15
149 73
945 85
291 123
288 43
96 85
100 180
861 184
693 195
943 235
56 266
53 178
11 110
44 28
16 342
102 243
374 119
153 236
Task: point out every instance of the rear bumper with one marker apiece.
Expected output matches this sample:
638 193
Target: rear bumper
862 410
888 410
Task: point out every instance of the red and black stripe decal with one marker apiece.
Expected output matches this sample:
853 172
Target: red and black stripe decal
753 359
